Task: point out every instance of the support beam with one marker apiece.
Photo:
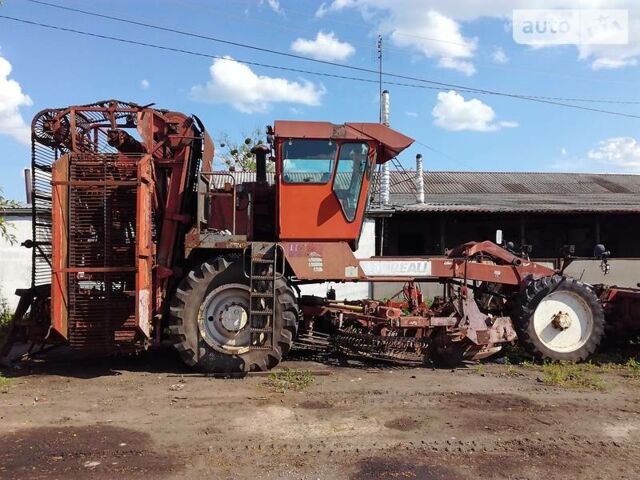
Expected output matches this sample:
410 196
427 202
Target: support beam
442 227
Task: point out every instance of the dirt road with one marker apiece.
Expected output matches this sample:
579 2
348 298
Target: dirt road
79 418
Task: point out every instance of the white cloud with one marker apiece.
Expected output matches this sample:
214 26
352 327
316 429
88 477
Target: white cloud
326 46
11 99
612 63
275 6
438 35
434 35
499 56
461 65
563 152
334 6
620 153
411 114
454 113
236 84
616 56
508 124
144 84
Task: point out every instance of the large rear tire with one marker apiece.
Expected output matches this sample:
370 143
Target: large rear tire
209 320
559 318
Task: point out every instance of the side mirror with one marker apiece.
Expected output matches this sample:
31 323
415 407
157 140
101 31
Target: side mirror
498 237
600 251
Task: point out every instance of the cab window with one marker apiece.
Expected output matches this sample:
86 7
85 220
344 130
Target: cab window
347 183
307 161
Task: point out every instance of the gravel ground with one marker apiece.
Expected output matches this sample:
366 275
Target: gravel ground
70 417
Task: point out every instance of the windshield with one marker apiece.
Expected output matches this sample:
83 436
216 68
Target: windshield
351 167
308 161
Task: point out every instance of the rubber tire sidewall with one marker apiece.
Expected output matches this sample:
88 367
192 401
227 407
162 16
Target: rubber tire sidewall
195 351
530 299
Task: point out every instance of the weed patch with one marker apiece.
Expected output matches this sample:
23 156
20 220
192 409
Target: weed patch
5 317
285 379
632 368
512 371
4 384
570 375
516 355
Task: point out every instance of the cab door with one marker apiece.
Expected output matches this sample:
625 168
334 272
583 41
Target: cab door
323 186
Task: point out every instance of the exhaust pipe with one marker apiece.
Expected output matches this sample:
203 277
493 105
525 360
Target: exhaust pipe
384 108
385 185
28 186
419 179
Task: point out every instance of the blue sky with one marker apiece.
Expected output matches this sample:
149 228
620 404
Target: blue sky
458 42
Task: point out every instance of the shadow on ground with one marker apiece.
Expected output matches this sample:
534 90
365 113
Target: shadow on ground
67 363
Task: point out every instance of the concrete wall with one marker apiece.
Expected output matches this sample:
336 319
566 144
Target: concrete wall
15 261
623 273
352 290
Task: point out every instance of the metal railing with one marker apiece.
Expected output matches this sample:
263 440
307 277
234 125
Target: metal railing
211 192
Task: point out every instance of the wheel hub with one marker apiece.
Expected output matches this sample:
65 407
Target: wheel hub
224 319
234 317
561 320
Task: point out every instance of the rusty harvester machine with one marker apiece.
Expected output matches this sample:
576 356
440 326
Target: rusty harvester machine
136 239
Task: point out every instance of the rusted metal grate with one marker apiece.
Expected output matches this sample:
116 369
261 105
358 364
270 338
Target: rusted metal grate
101 251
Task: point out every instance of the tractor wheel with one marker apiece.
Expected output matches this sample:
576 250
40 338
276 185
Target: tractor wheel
209 321
559 318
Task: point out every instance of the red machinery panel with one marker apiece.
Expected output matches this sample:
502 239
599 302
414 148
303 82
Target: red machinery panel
60 234
100 250
323 173
144 246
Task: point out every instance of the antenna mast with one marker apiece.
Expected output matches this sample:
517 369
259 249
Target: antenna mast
380 76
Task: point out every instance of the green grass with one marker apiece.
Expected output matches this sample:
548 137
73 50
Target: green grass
512 371
516 355
569 375
632 368
5 317
582 376
285 379
4 384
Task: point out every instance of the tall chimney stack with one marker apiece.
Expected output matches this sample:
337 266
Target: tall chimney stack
385 184
419 179
28 186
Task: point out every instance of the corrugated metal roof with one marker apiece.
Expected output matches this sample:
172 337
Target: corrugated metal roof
516 182
15 211
520 203
510 191
516 192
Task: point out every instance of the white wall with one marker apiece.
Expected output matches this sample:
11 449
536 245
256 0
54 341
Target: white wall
15 261
623 273
351 290
15 264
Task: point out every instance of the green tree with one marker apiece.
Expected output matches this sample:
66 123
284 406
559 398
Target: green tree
236 155
5 232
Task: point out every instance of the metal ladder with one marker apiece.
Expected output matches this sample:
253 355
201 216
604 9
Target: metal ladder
263 273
